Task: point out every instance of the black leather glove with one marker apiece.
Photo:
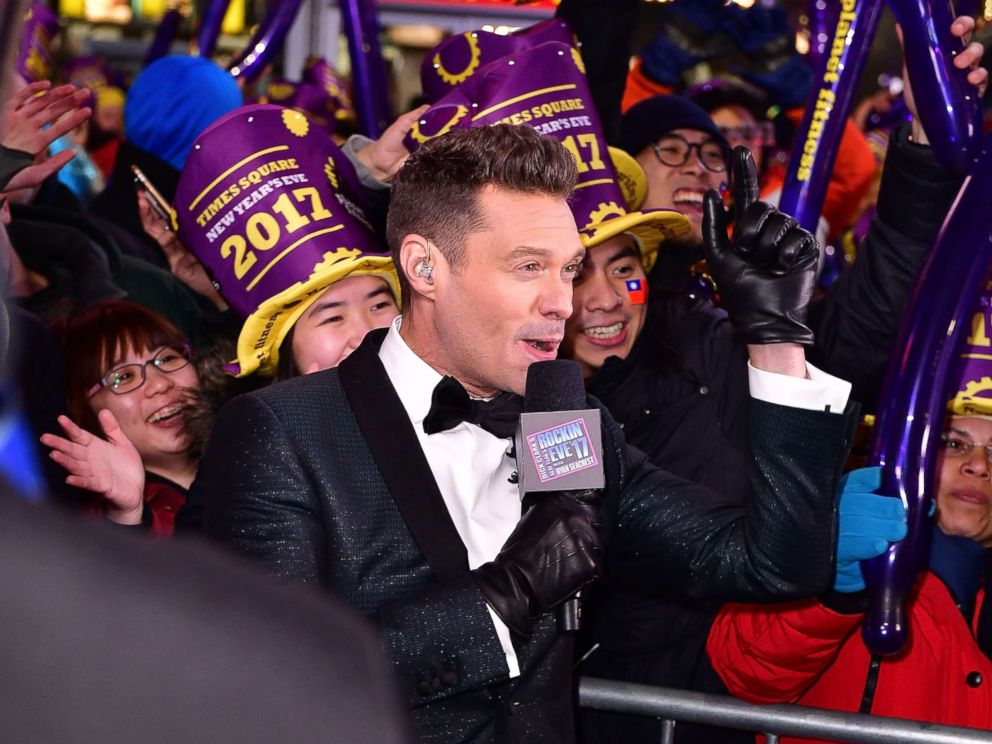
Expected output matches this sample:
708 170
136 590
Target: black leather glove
553 551
766 272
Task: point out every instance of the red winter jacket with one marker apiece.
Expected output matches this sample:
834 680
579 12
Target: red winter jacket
804 653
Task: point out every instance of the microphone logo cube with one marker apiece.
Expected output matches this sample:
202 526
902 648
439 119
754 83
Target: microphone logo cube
562 450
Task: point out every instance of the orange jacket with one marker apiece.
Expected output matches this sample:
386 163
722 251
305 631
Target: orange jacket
803 652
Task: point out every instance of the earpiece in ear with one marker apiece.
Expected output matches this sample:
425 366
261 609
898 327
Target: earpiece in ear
425 271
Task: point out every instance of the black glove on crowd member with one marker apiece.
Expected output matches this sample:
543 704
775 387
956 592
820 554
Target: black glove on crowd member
552 552
766 272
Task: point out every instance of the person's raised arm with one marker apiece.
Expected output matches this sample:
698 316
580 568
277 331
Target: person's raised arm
32 119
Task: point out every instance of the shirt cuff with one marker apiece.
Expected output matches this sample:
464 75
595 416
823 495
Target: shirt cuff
350 148
503 633
818 392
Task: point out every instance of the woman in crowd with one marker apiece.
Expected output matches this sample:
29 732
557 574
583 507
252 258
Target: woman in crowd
130 377
325 333
306 315
811 652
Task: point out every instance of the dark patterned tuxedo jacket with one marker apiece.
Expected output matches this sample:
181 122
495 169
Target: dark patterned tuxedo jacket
322 480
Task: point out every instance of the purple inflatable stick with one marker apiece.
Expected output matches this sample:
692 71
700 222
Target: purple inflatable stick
267 41
948 105
914 398
369 90
812 159
164 34
213 18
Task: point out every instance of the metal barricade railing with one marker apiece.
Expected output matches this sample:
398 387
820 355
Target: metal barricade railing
773 721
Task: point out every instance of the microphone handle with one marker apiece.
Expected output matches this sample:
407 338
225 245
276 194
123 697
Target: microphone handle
570 614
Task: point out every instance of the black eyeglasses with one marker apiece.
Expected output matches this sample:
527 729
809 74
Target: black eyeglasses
675 151
957 446
129 377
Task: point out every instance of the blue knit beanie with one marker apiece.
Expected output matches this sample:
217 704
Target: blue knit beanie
172 101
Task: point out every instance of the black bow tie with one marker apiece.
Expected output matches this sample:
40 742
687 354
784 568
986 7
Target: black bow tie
451 405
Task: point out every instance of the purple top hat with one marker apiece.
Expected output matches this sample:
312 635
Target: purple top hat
457 58
321 94
970 391
318 72
34 60
545 87
273 210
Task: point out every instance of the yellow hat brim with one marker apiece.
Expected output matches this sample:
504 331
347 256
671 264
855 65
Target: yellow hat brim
266 328
631 178
650 229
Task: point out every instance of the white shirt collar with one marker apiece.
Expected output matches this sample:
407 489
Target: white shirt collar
412 377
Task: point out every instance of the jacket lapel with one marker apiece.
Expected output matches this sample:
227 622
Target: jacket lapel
393 442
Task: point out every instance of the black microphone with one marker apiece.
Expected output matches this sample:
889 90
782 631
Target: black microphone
559 444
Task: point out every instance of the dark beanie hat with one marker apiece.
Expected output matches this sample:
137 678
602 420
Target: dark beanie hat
654 117
172 101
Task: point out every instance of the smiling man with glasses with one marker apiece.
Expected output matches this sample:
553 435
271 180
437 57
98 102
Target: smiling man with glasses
683 153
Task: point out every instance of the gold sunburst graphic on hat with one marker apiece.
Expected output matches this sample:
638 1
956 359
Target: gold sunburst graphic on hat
604 210
330 258
453 78
460 113
970 399
295 122
577 59
332 176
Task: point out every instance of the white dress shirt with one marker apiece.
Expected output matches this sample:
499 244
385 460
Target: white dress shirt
472 468
470 465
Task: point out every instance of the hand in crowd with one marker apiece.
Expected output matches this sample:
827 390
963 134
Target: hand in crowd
971 56
110 467
36 116
869 522
386 155
182 263
765 271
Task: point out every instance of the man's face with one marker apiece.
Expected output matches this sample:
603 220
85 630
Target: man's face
604 321
505 306
681 187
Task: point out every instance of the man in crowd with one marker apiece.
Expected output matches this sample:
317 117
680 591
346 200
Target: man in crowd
388 481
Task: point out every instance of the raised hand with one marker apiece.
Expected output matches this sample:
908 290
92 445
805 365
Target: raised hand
867 523
23 121
183 264
110 467
766 270
384 156
24 117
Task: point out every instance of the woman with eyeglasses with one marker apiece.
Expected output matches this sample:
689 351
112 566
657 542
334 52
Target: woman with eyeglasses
130 377
811 652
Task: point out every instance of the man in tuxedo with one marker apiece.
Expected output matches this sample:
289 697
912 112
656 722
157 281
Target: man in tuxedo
389 481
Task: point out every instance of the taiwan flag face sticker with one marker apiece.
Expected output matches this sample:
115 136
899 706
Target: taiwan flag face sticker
638 292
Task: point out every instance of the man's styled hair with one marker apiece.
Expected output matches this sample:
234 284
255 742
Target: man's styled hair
435 193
